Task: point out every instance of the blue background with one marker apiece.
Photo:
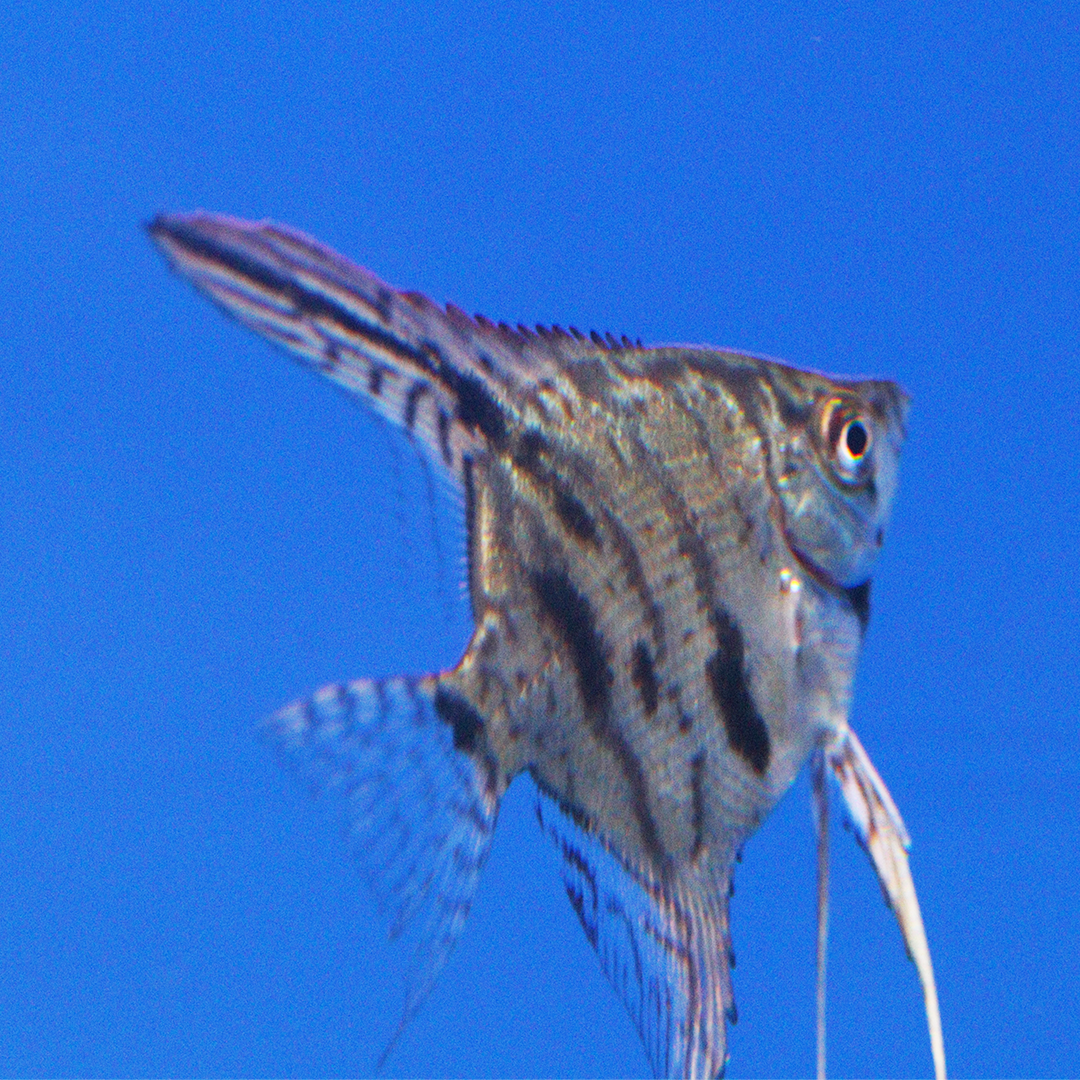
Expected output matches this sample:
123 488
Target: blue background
194 531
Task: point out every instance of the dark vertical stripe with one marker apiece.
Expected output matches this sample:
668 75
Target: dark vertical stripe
858 596
465 722
468 483
643 676
572 617
477 407
563 473
726 670
412 399
577 520
748 735
531 454
443 422
697 802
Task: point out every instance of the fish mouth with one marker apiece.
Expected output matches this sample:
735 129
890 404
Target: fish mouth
807 565
856 597
813 571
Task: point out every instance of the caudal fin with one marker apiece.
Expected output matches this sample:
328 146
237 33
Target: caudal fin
419 811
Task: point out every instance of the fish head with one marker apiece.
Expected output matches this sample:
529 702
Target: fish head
835 456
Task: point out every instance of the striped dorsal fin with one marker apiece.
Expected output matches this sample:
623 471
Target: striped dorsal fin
448 379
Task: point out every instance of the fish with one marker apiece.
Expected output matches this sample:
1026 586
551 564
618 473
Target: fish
669 553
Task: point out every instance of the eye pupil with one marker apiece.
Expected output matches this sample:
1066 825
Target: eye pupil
856 438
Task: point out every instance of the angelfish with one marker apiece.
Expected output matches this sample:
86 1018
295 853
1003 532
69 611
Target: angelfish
669 556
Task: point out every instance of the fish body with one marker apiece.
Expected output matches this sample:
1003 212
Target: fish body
669 553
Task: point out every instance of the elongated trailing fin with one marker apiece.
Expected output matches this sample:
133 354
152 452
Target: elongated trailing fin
419 812
820 789
664 946
881 831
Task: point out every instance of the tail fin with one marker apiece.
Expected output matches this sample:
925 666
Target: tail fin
419 811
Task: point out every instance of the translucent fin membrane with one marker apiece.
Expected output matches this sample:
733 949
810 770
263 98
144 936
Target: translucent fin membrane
663 944
419 813
882 833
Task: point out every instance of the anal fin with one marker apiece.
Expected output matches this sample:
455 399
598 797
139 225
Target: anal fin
419 811
663 943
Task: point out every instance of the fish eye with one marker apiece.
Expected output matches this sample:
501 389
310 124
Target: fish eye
847 435
854 441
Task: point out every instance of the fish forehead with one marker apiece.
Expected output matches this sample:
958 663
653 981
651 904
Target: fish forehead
671 671
770 395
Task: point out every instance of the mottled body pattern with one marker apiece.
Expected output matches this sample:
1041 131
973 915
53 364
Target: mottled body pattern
669 554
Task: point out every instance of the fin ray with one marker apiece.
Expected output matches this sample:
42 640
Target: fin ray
663 944
419 813
886 840
446 378
377 344
820 792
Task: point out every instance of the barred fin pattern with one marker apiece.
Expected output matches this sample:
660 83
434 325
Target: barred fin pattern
419 813
706 482
446 378
663 944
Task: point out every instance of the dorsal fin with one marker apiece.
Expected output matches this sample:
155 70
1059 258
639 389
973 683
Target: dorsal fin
449 379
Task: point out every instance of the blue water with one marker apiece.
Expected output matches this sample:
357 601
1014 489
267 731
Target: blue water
194 531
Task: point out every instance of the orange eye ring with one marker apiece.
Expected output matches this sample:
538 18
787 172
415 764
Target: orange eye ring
848 436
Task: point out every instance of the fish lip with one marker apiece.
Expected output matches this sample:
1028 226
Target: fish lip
846 594
815 572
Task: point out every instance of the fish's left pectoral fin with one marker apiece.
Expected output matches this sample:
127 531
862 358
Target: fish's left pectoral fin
419 810
663 944
881 831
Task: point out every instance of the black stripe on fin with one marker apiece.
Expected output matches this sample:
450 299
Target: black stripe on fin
662 940
465 722
643 676
858 596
